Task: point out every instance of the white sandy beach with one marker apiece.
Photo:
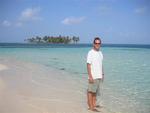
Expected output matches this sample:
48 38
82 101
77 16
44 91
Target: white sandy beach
33 88
3 67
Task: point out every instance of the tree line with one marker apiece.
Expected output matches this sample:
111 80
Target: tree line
54 39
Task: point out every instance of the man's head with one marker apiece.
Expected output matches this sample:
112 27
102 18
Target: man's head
97 43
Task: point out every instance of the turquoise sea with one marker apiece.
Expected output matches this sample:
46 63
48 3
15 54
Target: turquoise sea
126 87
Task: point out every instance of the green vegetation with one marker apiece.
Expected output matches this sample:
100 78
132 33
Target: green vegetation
53 40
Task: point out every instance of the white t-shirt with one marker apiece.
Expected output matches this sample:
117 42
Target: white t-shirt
95 58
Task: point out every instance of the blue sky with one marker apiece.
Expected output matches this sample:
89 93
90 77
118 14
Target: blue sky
115 21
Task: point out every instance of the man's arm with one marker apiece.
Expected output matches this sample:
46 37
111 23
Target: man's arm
89 73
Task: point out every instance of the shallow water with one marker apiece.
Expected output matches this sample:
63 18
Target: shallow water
127 80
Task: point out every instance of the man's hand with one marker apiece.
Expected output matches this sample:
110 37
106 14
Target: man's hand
89 73
91 80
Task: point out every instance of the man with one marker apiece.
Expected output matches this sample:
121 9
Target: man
95 73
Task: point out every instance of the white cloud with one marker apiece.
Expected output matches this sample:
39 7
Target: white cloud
30 14
6 23
72 20
140 10
27 15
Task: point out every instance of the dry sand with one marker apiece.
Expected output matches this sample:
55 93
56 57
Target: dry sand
3 67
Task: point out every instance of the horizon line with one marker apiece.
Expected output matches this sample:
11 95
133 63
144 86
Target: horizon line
76 43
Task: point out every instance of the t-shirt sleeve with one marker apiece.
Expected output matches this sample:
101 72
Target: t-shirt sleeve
89 58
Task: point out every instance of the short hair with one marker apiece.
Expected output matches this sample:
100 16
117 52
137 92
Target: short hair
96 38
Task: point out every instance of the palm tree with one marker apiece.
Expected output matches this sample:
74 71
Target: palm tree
45 38
38 39
75 39
31 40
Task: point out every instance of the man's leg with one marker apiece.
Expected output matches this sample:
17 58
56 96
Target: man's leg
94 99
93 103
91 96
90 100
99 94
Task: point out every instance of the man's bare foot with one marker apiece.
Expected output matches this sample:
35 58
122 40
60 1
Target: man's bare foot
95 110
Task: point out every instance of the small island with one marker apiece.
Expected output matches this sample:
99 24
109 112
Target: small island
54 39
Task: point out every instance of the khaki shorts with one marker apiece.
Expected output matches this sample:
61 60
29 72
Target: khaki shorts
93 87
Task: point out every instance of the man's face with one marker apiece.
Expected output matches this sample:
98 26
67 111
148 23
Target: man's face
97 44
